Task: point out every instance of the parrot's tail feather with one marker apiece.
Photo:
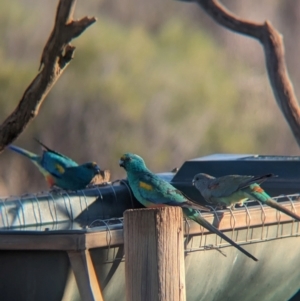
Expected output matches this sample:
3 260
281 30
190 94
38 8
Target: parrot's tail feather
192 204
42 144
23 152
46 148
203 222
277 206
262 178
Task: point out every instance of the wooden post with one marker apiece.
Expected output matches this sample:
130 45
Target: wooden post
154 254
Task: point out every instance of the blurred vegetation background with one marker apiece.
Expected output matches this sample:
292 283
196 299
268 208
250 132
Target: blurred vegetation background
157 78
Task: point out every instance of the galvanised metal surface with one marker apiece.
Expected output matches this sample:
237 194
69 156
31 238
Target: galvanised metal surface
62 210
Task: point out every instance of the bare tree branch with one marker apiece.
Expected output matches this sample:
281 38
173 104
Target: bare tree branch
56 56
274 55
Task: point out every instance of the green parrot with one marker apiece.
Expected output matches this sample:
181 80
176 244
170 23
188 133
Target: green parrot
59 170
152 191
234 189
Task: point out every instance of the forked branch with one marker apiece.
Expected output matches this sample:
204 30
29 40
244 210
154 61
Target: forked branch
56 56
273 47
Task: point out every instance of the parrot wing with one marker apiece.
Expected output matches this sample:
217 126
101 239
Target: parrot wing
157 191
255 180
56 164
227 185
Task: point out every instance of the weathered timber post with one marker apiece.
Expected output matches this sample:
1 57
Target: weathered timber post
154 254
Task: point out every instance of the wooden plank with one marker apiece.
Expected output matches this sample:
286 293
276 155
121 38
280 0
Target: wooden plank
104 239
42 242
85 275
154 254
62 242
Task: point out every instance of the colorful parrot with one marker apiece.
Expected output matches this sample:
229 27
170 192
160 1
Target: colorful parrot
152 191
59 170
234 189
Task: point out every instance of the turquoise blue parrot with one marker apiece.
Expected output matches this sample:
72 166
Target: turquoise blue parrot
234 189
152 191
59 170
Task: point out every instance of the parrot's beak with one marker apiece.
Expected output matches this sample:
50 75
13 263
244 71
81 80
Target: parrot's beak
193 182
121 163
96 168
